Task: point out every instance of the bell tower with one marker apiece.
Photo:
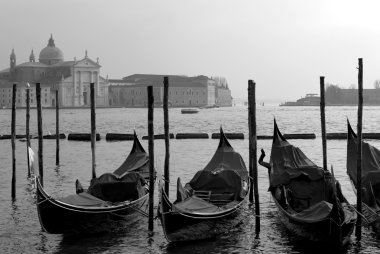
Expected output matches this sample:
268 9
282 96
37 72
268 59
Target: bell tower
31 57
13 59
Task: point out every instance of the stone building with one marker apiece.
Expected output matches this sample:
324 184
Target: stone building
199 91
71 78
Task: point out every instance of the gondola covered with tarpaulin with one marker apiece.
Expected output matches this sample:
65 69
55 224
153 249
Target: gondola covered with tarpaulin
308 198
209 204
111 200
370 177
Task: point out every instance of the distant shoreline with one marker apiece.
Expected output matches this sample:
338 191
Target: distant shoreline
328 105
98 107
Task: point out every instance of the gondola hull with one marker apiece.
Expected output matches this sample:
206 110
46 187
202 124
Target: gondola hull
308 198
322 231
370 177
180 227
57 217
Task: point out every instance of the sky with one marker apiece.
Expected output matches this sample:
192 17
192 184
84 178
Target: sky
283 45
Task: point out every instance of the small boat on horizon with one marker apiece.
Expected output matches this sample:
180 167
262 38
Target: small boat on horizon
189 110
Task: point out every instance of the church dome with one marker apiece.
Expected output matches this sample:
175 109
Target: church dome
51 54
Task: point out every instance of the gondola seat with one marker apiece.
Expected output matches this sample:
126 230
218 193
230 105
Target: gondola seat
110 187
218 199
217 185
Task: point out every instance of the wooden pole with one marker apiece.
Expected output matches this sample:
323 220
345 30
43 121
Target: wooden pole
151 155
93 129
253 151
358 230
13 140
323 121
57 127
40 134
27 126
166 129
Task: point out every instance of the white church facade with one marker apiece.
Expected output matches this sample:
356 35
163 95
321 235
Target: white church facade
71 78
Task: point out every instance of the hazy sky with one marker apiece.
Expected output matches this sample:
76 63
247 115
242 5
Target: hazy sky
284 46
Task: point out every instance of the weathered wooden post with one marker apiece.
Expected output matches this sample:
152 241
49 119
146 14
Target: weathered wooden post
13 140
27 126
93 128
40 134
358 229
151 156
253 151
166 129
57 127
323 121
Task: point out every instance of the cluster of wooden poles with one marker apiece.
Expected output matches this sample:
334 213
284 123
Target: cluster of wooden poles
254 193
40 135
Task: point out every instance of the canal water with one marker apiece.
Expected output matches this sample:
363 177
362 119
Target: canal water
20 231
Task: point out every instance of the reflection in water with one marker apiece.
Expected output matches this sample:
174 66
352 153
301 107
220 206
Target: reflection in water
43 243
15 214
115 240
59 177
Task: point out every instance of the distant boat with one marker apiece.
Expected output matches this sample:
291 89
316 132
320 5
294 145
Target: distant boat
189 110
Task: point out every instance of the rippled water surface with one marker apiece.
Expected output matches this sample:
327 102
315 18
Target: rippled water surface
20 231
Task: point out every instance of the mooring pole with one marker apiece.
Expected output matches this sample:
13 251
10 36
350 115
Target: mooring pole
40 134
166 129
151 155
323 121
253 150
27 126
13 140
57 127
358 229
93 128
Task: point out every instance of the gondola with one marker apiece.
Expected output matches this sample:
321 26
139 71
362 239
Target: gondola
208 205
111 200
370 177
308 198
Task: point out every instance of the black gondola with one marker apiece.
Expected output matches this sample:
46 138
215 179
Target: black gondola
209 203
308 198
111 199
370 177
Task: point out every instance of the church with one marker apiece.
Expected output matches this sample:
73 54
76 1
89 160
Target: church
71 78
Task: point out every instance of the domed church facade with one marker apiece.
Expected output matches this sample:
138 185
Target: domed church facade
71 78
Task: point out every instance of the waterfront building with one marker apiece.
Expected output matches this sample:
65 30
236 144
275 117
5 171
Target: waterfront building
71 78
198 91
